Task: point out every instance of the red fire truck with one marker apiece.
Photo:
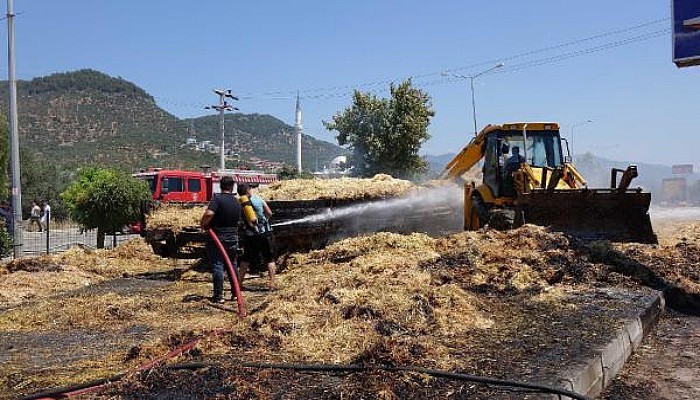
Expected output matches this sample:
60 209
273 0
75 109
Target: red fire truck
174 185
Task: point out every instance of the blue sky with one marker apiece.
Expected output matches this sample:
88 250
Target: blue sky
643 108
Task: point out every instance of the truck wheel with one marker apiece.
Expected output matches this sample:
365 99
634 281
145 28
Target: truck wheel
482 211
159 249
502 219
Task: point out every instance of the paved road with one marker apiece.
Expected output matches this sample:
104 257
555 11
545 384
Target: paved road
666 366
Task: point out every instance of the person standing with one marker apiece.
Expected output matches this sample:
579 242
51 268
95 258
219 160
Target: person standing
257 235
34 215
45 215
222 215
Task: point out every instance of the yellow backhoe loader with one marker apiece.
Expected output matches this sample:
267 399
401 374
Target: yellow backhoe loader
528 179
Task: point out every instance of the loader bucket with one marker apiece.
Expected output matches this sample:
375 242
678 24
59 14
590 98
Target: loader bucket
610 214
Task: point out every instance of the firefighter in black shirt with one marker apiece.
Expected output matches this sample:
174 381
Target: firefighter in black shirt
222 215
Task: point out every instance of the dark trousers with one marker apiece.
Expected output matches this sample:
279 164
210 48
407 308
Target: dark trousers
216 261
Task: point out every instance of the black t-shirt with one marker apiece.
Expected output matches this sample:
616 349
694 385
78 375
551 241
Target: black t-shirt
227 210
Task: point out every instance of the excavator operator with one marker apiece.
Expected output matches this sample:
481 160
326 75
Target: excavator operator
512 165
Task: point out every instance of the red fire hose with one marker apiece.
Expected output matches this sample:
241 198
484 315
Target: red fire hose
232 273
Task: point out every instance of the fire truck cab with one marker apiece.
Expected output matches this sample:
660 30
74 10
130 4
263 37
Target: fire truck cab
173 185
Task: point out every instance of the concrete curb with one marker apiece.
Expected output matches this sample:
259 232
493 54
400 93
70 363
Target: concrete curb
600 370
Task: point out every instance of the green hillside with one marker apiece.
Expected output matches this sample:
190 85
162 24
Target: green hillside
87 117
264 137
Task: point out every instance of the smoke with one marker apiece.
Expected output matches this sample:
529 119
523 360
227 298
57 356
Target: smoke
676 213
431 210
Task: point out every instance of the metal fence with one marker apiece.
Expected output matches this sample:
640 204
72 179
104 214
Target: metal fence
58 237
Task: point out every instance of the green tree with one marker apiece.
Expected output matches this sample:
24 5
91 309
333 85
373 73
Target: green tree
5 240
42 180
289 172
385 135
106 199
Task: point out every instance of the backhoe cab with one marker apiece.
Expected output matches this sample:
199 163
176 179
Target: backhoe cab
528 178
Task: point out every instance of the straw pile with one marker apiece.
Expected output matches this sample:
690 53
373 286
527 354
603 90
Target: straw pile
676 264
530 258
378 187
367 299
177 218
42 276
533 259
174 217
385 298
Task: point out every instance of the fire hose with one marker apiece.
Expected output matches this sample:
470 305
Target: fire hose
561 393
232 273
91 386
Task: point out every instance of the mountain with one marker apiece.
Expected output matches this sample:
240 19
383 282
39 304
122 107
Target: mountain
264 137
87 117
437 163
597 171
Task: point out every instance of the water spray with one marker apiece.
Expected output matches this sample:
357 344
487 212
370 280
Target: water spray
376 215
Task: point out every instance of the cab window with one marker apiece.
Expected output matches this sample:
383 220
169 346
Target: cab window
175 184
194 185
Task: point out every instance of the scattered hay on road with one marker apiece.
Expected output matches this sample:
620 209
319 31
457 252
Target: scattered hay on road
43 276
390 299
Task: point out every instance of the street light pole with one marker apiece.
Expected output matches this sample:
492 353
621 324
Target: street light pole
14 134
572 133
471 85
221 107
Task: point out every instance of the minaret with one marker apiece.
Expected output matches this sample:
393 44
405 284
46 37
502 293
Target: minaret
297 129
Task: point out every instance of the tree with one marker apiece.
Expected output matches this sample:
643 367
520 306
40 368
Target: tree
289 172
385 135
42 180
106 199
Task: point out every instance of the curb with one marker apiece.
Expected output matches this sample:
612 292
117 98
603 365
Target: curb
601 369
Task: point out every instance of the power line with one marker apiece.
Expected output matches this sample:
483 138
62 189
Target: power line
321 93
516 67
430 74
532 63
566 44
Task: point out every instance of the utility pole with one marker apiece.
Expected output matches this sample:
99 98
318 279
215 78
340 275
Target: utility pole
14 134
221 108
297 130
471 85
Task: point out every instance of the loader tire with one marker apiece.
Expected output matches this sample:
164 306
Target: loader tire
481 210
502 219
